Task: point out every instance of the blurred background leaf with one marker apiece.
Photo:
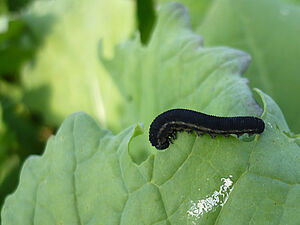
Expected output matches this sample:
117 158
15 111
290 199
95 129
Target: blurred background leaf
16 46
15 5
145 18
66 76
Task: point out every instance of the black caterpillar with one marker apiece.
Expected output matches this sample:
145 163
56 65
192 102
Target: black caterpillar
164 127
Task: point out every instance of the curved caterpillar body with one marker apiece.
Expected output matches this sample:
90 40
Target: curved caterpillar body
164 127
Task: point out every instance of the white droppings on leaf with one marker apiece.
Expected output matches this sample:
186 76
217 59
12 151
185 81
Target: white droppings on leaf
218 198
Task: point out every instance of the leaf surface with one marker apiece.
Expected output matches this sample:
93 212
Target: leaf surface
67 76
175 70
87 175
16 45
269 31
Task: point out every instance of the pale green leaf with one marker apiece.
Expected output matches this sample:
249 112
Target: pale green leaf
66 75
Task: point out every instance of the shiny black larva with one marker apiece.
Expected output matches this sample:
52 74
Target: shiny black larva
164 127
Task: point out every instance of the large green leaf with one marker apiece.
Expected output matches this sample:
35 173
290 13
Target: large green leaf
66 76
87 175
269 31
174 70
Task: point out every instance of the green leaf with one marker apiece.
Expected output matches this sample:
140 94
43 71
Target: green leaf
16 45
269 31
146 18
9 162
66 76
87 175
7 139
269 189
10 166
62 186
22 134
17 5
197 9
174 70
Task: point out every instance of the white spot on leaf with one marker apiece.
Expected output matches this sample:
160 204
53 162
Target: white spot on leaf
218 198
